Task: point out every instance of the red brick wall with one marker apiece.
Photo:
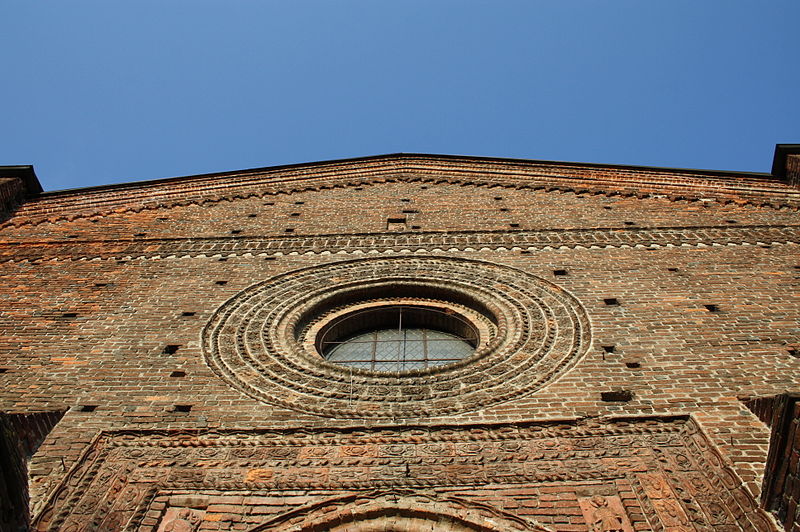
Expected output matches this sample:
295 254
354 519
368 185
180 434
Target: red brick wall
793 170
20 437
782 479
705 278
11 191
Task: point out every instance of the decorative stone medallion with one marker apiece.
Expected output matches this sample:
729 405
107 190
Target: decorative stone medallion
264 340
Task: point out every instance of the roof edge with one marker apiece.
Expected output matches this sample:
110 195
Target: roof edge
404 155
26 174
782 151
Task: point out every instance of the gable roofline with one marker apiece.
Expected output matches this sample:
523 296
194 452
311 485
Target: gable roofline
400 156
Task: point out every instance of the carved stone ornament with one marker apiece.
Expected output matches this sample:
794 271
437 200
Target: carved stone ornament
605 514
262 340
304 479
399 510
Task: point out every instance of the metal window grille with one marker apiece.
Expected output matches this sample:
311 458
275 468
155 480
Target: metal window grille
407 345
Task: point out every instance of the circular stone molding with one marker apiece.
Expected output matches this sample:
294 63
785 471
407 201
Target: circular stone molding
263 341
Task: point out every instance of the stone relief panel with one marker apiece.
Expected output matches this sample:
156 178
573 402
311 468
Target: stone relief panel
398 510
605 514
181 520
602 474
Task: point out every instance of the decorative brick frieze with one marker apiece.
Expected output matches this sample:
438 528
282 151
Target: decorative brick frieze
401 242
513 175
658 473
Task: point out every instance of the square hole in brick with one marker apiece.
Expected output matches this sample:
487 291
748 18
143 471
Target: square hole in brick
178 374
268 203
270 258
498 198
405 200
88 408
163 219
221 283
505 209
294 214
609 348
513 225
794 353
187 313
252 215
140 234
525 252
616 396
69 315
731 222
712 308
223 259
289 230
559 273
607 207
236 231
100 285
359 188
672 269
629 223
183 408
633 365
423 187
3 370
171 349
395 224
416 227
611 301
299 202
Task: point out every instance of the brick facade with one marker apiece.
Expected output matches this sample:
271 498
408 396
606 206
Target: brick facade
636 325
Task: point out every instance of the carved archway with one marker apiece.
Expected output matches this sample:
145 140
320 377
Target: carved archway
399 511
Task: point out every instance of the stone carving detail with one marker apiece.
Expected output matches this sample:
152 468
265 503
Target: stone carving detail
379 508
255 343
626 468
181 520
605 514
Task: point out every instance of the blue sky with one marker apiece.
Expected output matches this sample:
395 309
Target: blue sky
105 92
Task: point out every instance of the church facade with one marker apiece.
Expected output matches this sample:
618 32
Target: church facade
403 342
